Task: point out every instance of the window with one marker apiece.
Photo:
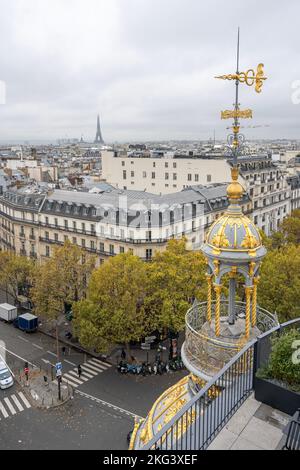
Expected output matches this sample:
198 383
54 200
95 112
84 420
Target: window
74 241
47 220
66 224
101 247
112 249
166 165
122 250
255 219
47 235
166 176
149 253
122 234
174 165
174 176
83 243
123 163
56 222
196 177
144 174
93 230
56 237
189 177
148 236
112 232
208 178
47 251
124 174
132 174
74 225
83 227
154 164
153 175
92 245
66 238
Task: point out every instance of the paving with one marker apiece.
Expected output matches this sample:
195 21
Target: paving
255 426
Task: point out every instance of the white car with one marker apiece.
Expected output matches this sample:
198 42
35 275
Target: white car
6 378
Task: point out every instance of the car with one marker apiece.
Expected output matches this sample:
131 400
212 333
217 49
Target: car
6 378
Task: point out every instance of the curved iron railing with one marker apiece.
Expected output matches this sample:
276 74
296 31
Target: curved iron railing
200 349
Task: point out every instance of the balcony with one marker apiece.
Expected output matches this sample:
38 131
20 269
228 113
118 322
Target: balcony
204 353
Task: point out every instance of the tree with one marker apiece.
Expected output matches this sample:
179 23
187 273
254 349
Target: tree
279 287
113 311
15 274
176 278
61 280
288 232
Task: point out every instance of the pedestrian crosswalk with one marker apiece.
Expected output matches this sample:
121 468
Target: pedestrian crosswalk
10 406
89 370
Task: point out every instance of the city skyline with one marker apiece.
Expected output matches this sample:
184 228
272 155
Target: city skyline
146 69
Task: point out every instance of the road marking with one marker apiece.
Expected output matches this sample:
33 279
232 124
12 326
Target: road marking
102 366
9 406
73 378
110 405
95 368
19 406
84 367
87 375
68 382
52 354
19 357
76 375
23 339
3 410
24 399
101 362
45 361
37 346
69 362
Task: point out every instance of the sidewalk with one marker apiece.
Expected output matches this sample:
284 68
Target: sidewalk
44 394
114 356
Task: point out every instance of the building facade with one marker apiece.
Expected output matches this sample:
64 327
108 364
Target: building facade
109 223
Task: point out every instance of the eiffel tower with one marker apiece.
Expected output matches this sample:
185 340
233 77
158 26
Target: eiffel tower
98 138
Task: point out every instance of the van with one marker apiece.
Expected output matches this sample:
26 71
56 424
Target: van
6 378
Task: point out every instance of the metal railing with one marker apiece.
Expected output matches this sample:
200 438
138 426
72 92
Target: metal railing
199 421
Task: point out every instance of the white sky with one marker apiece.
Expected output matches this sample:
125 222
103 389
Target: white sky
147 66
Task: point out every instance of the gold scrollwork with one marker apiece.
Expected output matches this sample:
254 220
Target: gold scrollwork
250 77
236 113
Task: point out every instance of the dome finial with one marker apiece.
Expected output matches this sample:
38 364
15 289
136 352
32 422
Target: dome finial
235 189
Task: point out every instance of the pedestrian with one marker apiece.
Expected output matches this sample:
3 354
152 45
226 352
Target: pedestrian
123 354
79 370
63 350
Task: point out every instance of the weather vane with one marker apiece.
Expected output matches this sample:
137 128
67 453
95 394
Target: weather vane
250 78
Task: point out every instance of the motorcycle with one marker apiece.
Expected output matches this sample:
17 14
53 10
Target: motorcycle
122 367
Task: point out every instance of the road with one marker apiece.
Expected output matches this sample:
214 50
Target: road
101 413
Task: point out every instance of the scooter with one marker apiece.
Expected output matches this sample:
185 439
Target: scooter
122 367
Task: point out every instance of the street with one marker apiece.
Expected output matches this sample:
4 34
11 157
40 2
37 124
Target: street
98 417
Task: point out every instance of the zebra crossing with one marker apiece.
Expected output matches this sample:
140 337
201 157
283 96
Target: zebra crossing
89 370
13 404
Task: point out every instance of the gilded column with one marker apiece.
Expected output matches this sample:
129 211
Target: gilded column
218 309
248 291
254 301
209 296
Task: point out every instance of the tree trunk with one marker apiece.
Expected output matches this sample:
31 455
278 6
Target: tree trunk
128 350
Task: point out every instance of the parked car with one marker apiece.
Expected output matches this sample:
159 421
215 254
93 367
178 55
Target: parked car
6 378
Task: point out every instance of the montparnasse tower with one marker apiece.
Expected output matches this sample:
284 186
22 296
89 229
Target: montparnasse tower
220 327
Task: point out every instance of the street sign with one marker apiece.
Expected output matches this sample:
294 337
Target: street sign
58 366
150 339
146 347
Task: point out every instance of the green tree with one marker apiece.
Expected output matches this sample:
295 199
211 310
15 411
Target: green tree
15 274
176 277
113 311
61 280
288 232
279 287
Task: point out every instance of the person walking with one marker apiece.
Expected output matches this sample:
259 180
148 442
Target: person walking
79 370
123 354
63 349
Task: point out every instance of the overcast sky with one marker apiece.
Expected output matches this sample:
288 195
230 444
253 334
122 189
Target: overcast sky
147 66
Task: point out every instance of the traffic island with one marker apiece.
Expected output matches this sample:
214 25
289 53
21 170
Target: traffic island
42 392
